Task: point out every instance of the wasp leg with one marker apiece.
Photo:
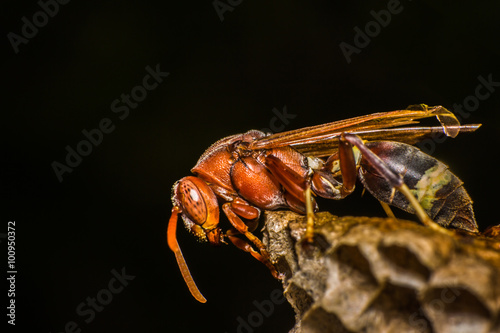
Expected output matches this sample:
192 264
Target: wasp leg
343 163
242 210
387 209
294 184
326 186
298 192
347 167
309 234
247 247
393 179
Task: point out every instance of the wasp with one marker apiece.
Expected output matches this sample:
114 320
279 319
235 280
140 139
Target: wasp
254 171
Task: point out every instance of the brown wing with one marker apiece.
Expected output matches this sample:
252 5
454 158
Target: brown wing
319 140
409 135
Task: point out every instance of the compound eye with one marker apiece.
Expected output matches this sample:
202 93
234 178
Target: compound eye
192 201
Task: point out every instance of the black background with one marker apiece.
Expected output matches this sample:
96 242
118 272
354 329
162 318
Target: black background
225 78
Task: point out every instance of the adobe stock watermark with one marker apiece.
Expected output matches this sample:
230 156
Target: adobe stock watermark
279 122
31 26
89 308
120 106
263 309
372 29
484 89
221 7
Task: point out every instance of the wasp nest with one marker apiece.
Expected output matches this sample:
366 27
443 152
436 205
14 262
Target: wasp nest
384 275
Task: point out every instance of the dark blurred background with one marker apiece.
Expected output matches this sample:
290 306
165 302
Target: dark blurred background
226 76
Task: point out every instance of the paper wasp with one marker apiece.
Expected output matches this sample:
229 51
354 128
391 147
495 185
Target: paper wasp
255 171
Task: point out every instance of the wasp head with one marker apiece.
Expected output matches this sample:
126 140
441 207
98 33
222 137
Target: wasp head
199 207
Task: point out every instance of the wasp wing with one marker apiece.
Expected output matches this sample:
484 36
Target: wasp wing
379 120
319 140
409 135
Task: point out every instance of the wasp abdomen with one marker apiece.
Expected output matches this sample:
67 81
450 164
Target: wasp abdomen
438 190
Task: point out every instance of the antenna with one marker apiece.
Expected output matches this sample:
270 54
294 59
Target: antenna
174 246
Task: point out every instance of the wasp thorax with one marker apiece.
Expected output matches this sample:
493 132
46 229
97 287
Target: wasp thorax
192 201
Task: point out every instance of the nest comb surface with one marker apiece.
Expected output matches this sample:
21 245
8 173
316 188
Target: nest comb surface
384 275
